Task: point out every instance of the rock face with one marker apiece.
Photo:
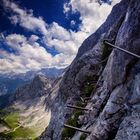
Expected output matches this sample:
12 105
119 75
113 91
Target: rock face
114 77
39 86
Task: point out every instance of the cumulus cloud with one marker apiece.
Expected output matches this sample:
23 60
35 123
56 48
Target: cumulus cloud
33 38
73 23
54 35
25 18
30 54
15 41
93 13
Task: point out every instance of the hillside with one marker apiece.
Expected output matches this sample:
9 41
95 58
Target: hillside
26 117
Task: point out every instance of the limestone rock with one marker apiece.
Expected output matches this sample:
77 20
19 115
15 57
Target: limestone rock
115 100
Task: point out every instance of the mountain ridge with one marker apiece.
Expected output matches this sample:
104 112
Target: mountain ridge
26 115
9 82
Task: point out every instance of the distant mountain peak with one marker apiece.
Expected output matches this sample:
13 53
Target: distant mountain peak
41 81
40 78
38 87
11 81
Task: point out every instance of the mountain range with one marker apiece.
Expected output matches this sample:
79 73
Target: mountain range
27 115
11 81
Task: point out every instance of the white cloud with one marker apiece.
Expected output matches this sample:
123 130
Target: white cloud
31 55
115 2
53 34
33 39
66 8
15 41
25 18
92 13
73 23
58 32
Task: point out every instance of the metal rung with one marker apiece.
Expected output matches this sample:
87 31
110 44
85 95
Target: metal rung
82 99
77 107
78 129
121 49
87 98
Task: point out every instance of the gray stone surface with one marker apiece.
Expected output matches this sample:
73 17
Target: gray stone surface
115 102
38 87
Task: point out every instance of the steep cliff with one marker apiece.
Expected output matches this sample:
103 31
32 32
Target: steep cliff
110 77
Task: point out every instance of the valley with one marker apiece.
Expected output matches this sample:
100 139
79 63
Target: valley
27 115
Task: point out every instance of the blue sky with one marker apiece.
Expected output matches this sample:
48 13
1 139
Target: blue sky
35 35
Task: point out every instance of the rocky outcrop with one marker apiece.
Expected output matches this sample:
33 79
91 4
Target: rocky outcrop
114 77
38 87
